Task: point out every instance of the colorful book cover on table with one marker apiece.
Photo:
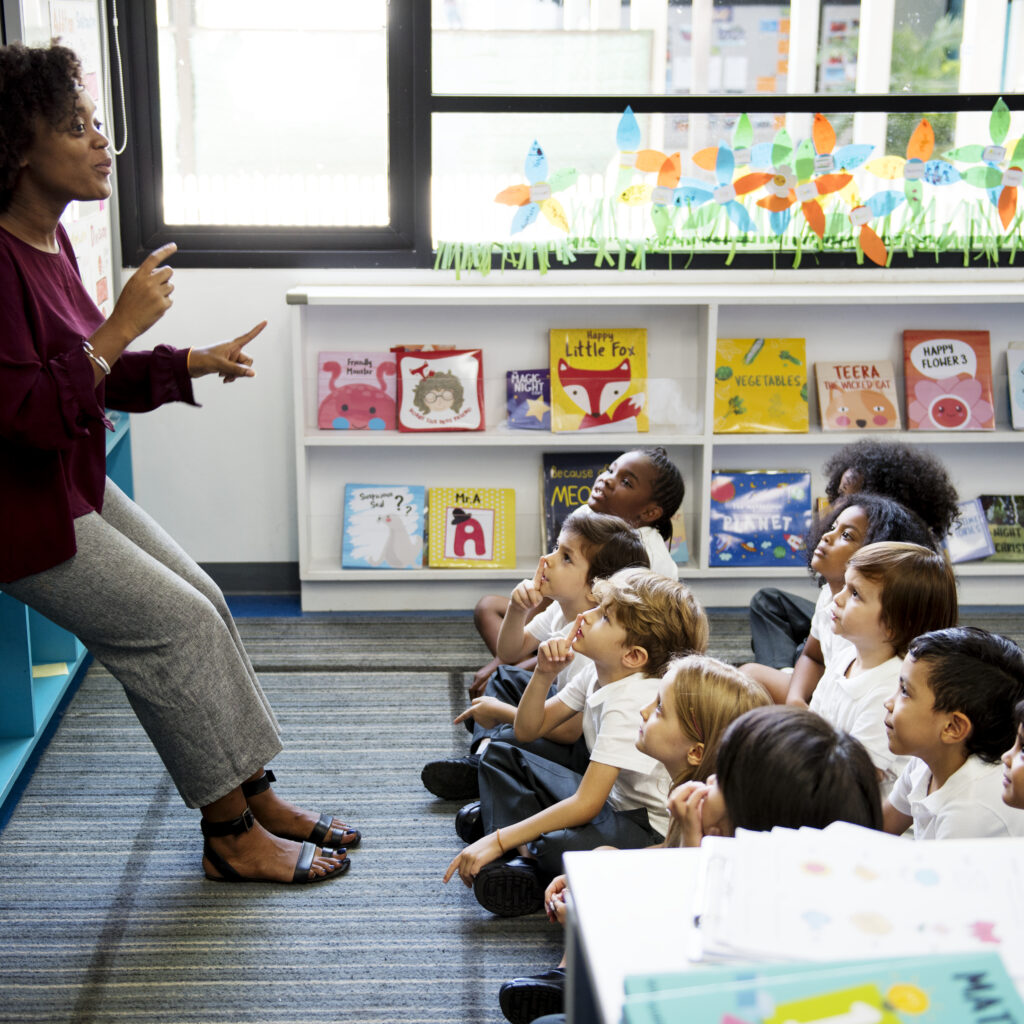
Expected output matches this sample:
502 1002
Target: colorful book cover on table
599 379
858 396
948 378
440 390
962 988
528 399
566 480
760 386
382 526
759 517
1015 379
356 390
471 527
1005 516
970 538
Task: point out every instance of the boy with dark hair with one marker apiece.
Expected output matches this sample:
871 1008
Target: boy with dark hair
953 712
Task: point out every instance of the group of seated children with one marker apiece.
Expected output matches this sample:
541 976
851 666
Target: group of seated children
625 734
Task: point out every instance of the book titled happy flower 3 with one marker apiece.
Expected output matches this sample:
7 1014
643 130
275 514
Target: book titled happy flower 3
948 380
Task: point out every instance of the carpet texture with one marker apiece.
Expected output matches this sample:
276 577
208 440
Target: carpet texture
105 915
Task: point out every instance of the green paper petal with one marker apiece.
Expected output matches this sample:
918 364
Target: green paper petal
782 147
1018 150
743 133
983 177
999 122
563 179
804 164
965 154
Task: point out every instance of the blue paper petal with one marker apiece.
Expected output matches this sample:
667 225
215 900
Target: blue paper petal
851 156
940 172
536 166
692 194
779 220
524 217
761 156
883 203
739 216
725 165
627 135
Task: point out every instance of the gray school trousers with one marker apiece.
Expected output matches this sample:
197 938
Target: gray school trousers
160 625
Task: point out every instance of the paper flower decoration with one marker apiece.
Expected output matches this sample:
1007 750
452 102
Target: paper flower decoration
794 181
918 167
536 197
721 161
871 245
952 404
662 195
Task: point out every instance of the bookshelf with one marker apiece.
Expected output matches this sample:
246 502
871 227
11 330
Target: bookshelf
39 660
509 316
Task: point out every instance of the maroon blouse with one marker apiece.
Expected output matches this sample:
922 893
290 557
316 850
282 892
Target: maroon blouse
52 426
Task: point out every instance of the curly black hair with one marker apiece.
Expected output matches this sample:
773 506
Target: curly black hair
887 520
668 488
909 475
36 81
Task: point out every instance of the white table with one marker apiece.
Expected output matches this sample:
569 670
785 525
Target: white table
632 912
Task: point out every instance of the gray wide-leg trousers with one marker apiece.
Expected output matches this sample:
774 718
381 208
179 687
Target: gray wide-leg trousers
161 626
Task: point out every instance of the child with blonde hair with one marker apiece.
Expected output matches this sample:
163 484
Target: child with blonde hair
682 728
533 810
893 592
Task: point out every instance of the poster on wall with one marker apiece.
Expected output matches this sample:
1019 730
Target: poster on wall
77 24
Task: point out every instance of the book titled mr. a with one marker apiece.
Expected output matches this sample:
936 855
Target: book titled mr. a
948 379
759 517
760 386
528 399
471 527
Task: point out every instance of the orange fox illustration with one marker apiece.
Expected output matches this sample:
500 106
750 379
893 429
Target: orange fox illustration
596 392
863 409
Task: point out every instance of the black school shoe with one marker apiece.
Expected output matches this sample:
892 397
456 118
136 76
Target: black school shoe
454 778
510 888
523 1000
469 825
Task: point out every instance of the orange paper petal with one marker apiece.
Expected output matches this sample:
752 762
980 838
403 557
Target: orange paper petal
922 141
668 173
777 203
873 246
832 183
815 217
751 181
650 160
706 158
515 195
1007 206
823 134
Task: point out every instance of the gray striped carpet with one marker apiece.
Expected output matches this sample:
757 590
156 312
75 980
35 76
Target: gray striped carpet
105 915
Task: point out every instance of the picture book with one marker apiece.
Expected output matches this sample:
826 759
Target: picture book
943 989
857 396
382 527
528 399
1005 516
599 379
1015 378
759 517
356 391
471 527
760 386
566 480
677 546
948 379
440 390
969 538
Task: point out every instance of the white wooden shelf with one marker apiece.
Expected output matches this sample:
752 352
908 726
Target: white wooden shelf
841 315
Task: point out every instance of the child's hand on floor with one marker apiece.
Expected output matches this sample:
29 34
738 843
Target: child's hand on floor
527 594
487 712
686 805
554 654
556 898
473 858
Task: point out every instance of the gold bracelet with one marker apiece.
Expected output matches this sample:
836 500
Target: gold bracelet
188 361
497 836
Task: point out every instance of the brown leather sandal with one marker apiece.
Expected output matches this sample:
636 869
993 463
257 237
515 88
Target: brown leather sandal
323 834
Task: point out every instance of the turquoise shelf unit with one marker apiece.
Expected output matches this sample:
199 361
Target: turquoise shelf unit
39 661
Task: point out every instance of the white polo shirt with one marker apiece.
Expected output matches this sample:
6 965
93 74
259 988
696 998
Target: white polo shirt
855 705
611 724
831 643
969 806
657 553
551 623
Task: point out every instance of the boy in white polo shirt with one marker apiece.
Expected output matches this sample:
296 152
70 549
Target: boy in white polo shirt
953 713
538 809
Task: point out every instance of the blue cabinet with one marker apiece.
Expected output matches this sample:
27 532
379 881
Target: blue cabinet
39 660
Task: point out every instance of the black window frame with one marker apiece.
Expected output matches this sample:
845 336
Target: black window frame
407 243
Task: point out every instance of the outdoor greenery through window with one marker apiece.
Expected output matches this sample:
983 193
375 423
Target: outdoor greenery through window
802 128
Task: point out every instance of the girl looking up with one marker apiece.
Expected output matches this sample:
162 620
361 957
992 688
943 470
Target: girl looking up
645 488
780 766
854 521
893 593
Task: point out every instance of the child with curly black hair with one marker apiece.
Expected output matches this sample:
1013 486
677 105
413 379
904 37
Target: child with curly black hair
780 621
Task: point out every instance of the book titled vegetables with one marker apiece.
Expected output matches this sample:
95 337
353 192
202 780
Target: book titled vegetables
599 379
948 378
471 527
760 386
